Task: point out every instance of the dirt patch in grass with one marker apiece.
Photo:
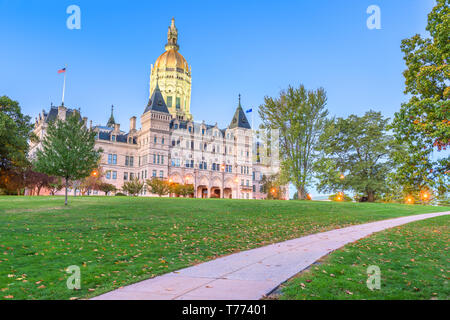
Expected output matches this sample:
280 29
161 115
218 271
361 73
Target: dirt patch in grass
36 210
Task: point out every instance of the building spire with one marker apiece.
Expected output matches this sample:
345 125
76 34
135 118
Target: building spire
240 119
111 121
172 37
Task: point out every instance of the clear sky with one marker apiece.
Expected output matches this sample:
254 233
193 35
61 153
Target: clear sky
255 48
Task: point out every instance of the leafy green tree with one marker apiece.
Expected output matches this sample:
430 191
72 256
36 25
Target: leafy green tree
423 123
158 186
274 187
68 151
355 155
175 189
107 188
299 115
133 187
187 190
15 132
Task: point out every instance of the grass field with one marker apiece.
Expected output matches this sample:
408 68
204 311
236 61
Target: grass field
413 259
119 240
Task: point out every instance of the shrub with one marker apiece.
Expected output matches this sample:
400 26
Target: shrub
340 197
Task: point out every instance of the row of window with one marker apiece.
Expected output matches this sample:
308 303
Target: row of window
155 140
204 166
177 104
159 159
112 175
216 133
129 160
245 170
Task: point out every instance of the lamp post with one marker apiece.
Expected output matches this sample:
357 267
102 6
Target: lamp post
425 196
273 191
341 196
223 181
409 200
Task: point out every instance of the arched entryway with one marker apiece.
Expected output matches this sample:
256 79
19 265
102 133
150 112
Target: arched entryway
228 193
216 192
202 192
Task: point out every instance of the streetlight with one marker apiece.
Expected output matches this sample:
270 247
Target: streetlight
342 177
94 173
409 200
425 196
223 181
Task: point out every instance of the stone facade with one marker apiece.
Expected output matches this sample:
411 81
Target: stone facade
220 163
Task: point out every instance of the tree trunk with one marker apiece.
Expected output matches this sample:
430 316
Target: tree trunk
302 195
67 187
370 196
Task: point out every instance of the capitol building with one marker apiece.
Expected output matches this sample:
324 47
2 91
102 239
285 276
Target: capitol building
218 162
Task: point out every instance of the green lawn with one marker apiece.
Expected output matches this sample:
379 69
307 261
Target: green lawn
120 240
413 259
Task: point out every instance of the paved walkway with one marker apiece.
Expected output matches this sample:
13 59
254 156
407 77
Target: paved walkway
251 274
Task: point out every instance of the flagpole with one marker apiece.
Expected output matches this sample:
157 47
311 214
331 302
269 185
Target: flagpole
64 86
253 128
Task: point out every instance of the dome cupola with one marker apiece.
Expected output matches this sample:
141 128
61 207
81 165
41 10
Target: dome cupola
173 74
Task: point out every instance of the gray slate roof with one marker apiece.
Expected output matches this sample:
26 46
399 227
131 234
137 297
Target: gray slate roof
52 115
240 120
156 102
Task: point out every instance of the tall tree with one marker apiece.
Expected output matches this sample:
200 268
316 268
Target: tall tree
68 151
299 115
355 155
422 123
15 133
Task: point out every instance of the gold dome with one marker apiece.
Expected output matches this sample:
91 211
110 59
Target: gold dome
171 59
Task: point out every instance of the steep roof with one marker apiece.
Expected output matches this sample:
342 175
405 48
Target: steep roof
156 102
52 115
239 120
111 121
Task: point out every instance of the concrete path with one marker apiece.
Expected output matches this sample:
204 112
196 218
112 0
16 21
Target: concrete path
251 274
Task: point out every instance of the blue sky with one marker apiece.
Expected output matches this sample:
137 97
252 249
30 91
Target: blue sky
255 48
